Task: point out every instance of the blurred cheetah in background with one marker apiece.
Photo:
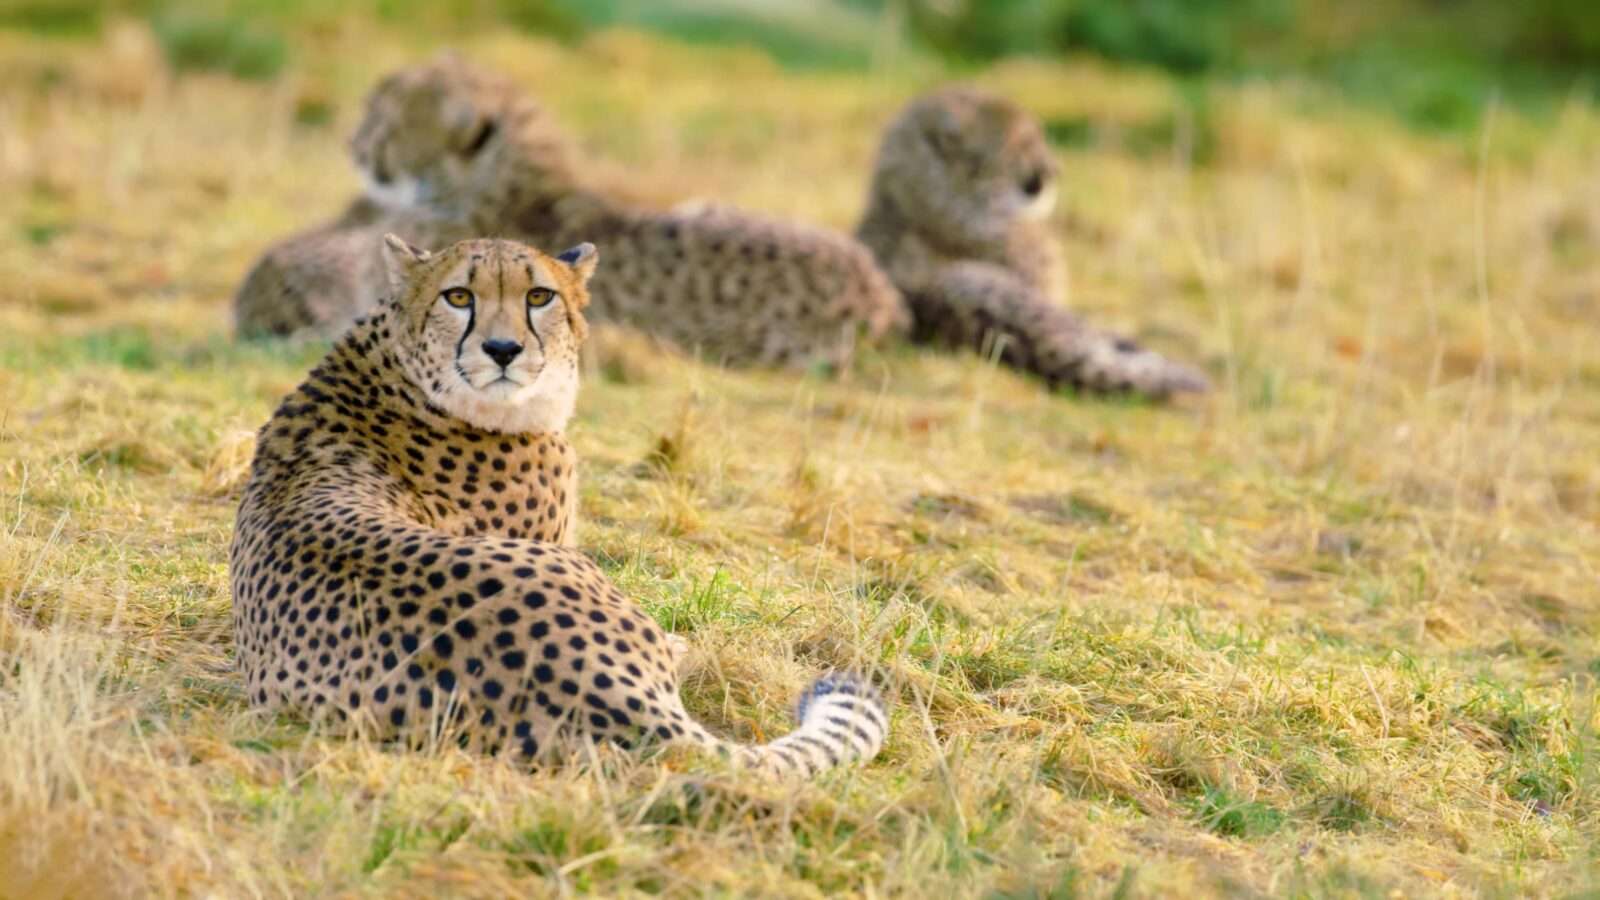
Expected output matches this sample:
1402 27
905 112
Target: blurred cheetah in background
956 216
449 150
400 556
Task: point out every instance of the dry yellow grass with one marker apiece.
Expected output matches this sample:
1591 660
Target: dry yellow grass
1331 632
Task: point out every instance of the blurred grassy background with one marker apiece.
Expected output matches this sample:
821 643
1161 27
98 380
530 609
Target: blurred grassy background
1434 63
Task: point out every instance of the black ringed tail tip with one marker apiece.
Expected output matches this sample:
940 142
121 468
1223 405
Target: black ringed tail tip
842 719
845 683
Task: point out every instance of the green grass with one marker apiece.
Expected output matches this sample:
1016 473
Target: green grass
1230 816
1330 632
1438 71
236 46
820 35
55 18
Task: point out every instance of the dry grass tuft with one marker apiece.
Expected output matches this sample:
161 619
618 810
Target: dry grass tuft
225 474
1331 632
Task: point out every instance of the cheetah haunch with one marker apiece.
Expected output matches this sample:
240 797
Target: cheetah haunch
401 556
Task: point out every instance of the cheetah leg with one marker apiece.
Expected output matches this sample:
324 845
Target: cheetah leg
677 651
975 305
537 644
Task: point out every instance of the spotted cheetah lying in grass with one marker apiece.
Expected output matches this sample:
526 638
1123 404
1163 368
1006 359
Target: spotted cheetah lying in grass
956 215
449 151
402 554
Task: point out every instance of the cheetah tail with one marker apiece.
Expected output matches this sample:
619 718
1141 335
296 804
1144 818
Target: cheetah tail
843 719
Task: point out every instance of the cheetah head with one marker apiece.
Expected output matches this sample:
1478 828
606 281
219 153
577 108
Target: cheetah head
489 330
447 134
966 165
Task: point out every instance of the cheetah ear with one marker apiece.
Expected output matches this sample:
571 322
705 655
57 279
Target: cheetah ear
946 121
400 259
581 259
943 135
399 251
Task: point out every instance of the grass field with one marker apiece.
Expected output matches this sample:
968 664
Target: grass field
1331 631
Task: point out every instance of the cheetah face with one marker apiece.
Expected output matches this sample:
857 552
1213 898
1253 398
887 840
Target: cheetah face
448 135
427 132
969 164
489 329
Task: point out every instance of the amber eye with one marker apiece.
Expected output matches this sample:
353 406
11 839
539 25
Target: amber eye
460 298
540 296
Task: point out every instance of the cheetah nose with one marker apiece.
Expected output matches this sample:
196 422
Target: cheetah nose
502 351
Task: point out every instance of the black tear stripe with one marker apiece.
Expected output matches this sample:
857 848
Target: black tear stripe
535 331
527 308
472 319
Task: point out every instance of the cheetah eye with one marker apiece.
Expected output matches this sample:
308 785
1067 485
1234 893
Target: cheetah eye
460 298
540 296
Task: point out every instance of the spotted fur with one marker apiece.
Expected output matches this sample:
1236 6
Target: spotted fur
960 192
402 558
449 150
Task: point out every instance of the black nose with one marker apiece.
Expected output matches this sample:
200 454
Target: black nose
502 352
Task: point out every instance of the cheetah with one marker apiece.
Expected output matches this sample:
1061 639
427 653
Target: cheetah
402 559
956 210
301 286
449 150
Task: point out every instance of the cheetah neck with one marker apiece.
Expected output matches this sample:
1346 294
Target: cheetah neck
913 251
456 477
902 252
